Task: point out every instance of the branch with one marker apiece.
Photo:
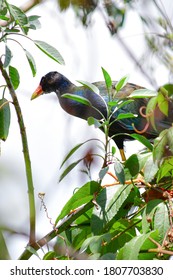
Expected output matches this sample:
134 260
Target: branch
55 232
30 4
159 248
25 152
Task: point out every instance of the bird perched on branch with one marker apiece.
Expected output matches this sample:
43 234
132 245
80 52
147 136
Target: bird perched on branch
120 129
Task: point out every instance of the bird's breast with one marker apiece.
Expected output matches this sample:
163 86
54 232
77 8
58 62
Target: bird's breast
98 108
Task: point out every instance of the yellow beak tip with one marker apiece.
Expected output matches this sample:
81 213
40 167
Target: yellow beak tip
37 92
34 95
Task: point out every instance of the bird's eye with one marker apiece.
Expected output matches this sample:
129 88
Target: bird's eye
50 81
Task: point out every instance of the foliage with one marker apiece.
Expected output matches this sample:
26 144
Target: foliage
100 221
157 29
15 23
19 26
113 11
131 212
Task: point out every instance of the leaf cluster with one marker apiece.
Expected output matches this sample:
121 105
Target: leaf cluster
128 219
115 12
17 23
133 212
14 24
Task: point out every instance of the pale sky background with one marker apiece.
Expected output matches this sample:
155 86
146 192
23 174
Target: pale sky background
51 132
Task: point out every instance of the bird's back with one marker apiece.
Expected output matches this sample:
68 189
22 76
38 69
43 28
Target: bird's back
136 124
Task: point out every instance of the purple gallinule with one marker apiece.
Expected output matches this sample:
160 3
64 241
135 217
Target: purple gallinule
119 130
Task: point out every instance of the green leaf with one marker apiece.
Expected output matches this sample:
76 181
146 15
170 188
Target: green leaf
4 18
8 56
150 169
150 110
14 76
80 197
161 220
143 140
169 88
49 51
147 245
124 230
33 18
125 116
93 121
121 83
159 145
143 93
94 243
90 86
7 30
51 255
73 150
4 254
166 169
113 103
163 103
19 16
132 163
80 234
108 256
131 249
107 78
113 150
77 98
148 214
31 62
4 118
103 172
34 23
124 103
109 202
169 138
32 250
69 168
119 171
3 10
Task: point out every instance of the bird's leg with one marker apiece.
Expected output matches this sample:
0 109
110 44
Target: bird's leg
123 156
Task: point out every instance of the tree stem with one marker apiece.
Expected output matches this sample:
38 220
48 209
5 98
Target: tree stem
25 153
66 224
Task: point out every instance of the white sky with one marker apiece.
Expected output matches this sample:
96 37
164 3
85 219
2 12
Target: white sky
51 132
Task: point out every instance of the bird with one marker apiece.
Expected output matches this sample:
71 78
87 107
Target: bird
97 108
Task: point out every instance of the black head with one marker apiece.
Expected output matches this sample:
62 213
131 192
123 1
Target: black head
52 82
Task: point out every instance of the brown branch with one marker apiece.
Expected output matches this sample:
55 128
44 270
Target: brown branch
30 4
159 249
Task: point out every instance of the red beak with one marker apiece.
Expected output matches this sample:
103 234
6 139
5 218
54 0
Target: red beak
37 92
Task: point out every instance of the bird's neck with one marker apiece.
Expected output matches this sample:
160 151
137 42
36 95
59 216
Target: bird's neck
65 86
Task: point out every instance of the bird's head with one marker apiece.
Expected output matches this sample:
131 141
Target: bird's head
51 82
